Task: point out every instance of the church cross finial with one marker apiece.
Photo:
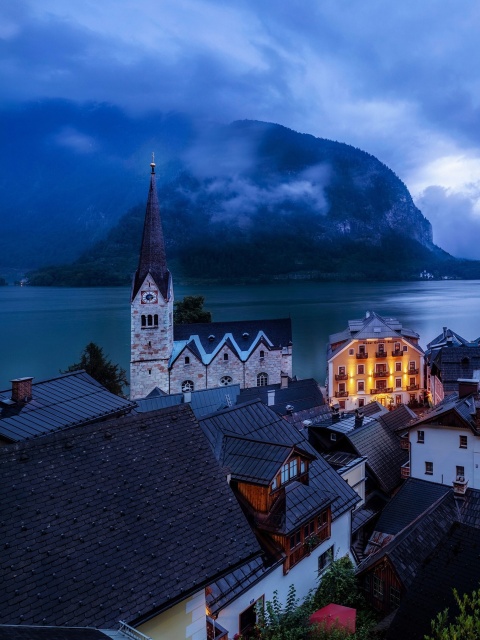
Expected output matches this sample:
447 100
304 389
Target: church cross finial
152 164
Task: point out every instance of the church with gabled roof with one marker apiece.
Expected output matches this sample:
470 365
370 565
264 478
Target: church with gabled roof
190 357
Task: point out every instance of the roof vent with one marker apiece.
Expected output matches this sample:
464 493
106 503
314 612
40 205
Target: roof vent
211 337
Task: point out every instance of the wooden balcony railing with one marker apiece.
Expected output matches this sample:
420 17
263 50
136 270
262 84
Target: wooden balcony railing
380 354
413 372
405 470
341 394
341 376
381 390
362 355
397 353
381 374
412 387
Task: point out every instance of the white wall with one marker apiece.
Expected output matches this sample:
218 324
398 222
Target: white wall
304 576
441 447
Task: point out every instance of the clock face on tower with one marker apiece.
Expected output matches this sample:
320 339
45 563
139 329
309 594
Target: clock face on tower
149 297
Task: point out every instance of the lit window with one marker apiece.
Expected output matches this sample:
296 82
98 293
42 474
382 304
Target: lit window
361 385
398 383
225 381
429 468
187 385
325 559
463 442
421 437
262 380
411 366
341 371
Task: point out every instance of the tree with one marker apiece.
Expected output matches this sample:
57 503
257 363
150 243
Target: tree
467 623
190 310
96 364
339 585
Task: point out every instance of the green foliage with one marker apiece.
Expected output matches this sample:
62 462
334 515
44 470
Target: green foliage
339 585
96 364
467 623
275 622
190 310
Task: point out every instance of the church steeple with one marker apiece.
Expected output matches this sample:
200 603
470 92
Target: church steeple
153 259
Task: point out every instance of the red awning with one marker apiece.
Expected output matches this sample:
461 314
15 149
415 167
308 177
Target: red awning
335 615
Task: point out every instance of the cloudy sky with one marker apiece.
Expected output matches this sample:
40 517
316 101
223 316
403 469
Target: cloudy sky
400 80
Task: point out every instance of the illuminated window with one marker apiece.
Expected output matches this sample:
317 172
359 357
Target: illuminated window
398 383
361 385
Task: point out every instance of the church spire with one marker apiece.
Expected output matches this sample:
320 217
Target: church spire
152 253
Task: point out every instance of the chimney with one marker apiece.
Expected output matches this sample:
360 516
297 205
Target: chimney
271 397
22 389
466 387
283 380
358 419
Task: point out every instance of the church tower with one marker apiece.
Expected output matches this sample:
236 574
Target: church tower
151 306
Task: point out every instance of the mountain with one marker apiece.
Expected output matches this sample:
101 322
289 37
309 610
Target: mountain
247 200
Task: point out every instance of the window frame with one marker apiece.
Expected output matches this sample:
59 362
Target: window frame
463 442
420 436
325 559
428 468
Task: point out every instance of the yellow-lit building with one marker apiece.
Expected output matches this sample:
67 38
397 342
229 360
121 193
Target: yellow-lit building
375 358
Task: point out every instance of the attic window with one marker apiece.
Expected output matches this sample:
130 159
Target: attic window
211 337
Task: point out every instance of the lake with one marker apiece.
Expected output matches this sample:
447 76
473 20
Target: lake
43 330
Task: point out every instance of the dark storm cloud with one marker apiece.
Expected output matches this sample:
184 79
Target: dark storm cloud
399 80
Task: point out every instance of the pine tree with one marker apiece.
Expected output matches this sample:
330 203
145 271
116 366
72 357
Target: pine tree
96 364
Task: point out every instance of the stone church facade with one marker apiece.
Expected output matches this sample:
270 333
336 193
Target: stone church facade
191 357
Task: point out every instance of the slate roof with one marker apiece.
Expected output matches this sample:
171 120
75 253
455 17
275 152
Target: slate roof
451 412
413 498
242 336
300 394
258 422
152 252
251 460
373 326
24 632
447 337
367 511
398 418
470 508
382 450
409 548
452 564
68 400
452 363
114 521
203 402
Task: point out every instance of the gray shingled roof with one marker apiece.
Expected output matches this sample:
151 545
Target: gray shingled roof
65 401
452 564
411 546
412 499
114 521
452 412
203 402
300 394
382 450
256 421
251 460
453 363
242 336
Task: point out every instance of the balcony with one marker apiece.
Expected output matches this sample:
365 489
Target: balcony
397 353
381 374
341 376
380 354
362 355
412 387
405 470
413 372
215 631
381 390
341 394
405 443
460 485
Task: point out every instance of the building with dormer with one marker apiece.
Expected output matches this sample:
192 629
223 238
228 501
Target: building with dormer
375 358
190 357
